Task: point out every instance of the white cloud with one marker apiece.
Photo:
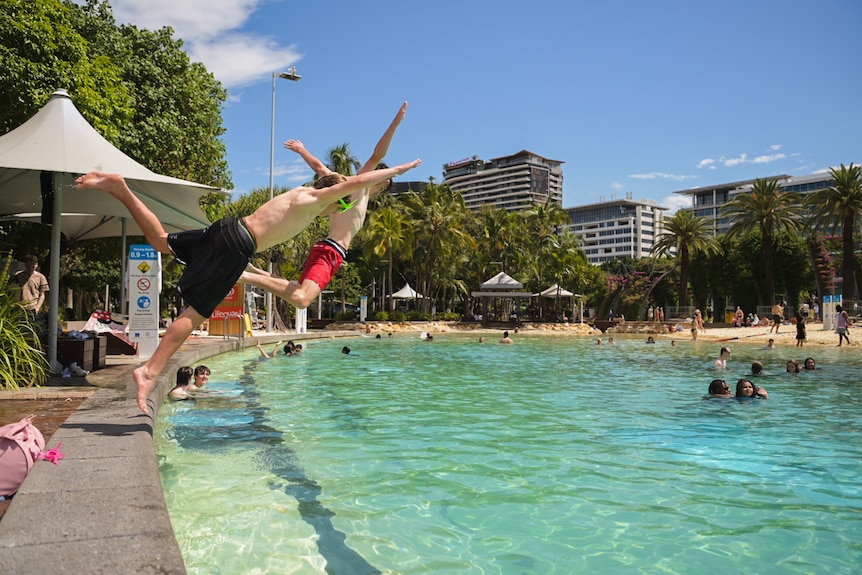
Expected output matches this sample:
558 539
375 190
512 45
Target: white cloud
661 176
192 20
707 163
768 159
675 202
774 147
297 172
241 59
210 30
731 162
617 186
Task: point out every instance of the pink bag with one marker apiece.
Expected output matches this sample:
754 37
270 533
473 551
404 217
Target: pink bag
20 445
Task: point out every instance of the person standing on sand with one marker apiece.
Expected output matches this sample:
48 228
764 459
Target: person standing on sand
738 317
777 317
215 257
800 329
842 325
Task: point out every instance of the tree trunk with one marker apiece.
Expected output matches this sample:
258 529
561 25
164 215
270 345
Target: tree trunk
769 268
848 290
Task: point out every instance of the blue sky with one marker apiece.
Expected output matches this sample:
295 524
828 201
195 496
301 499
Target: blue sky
635 97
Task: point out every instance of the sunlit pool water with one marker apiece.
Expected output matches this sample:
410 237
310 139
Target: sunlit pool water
553 455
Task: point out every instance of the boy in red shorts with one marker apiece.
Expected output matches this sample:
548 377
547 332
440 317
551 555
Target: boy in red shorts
327 255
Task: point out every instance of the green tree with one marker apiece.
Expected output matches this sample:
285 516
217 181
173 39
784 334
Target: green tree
42 49
540 241
388 233
770 211
136 87
688 235
340 160
436 217
839 208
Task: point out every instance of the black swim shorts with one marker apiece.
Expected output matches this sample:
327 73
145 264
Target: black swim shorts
215 257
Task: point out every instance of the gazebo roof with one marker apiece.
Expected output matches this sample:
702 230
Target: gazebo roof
502 281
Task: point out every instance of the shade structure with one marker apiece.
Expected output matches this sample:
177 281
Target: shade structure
554 291
502 281
90 226
407 292
58 139
39 161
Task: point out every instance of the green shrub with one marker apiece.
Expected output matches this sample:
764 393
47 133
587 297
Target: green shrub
418 316
22 361
399 316
345 316
380 316
449 316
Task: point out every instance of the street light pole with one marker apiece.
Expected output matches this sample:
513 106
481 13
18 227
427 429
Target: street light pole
289 75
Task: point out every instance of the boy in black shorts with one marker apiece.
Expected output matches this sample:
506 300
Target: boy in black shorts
216 256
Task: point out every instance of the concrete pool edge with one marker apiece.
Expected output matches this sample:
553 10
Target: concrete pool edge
102 509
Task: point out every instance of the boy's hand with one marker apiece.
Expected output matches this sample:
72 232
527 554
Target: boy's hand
294 146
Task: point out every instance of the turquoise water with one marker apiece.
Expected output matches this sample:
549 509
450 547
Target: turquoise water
553 455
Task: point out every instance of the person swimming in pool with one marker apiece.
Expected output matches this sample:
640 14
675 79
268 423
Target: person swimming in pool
745 389
180 391
723 356
718 388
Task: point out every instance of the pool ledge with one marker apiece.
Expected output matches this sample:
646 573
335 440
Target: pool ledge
102 509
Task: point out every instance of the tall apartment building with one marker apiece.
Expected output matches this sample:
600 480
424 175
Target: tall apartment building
512 183
617 229
708 201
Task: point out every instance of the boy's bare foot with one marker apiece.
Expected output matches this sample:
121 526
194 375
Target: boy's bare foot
145 385
100 181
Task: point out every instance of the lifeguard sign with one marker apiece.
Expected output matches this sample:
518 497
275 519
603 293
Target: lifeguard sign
227 319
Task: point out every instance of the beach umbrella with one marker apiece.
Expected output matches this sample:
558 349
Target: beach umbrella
39 162
407 292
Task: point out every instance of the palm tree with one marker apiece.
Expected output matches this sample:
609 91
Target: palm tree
688 235
839 207
437 217
342 161
541 238
770 210
388 232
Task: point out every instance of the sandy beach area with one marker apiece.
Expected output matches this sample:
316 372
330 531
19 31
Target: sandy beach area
786 336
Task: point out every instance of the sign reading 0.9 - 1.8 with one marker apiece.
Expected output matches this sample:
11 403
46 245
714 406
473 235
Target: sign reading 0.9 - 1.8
144 274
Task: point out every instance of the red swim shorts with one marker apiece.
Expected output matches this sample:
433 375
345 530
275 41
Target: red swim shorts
323 263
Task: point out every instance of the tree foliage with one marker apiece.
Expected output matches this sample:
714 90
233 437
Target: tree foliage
688 235
770 211
136 87
838 209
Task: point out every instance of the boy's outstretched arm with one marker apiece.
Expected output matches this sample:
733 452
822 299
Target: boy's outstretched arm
319 167
382 146
360 181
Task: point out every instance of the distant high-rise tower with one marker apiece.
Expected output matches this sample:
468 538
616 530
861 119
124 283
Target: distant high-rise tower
513 183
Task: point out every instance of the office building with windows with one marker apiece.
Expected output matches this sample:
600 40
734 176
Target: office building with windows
512 183
617 229
708 201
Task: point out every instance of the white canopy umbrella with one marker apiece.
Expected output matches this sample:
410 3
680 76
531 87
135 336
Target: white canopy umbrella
58 144
554 291
89 226
407 292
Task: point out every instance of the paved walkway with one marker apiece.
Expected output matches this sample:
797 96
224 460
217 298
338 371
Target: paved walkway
102 509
